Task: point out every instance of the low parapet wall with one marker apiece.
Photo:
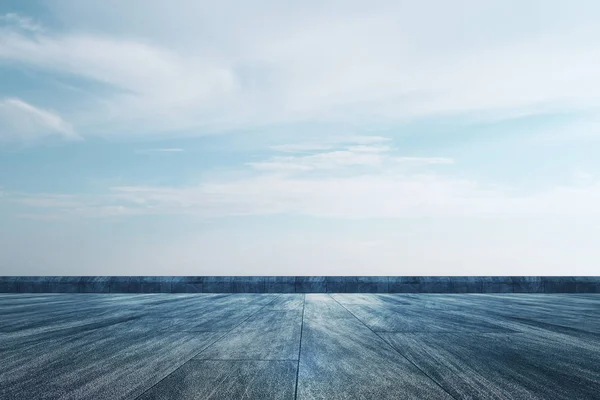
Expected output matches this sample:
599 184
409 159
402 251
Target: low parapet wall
299 284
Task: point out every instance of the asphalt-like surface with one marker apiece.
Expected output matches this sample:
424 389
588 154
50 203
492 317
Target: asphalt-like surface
305 346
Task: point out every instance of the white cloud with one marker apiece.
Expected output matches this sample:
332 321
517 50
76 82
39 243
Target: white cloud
199 66
293 186
424 160
300 148
321 161
356 198
585 130
20 21
333 142
153 86
354 154
154 151
22 121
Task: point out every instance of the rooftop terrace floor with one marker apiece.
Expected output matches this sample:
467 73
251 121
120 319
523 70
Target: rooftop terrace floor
286 346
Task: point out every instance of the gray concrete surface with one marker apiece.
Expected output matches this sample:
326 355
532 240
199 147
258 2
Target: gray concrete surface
299 284
305 346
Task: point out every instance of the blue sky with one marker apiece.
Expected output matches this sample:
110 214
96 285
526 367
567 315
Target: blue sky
330 137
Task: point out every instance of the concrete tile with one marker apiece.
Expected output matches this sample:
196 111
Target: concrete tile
403 284
465 284
94 284
55 316
217 284
420 284
436 284
571 284
343 359
587 284
528 284
496 284
572 323
217 380
118 345
216 313
99 364
411 319
311 284
559 284
367 284
336 284
125 284
268 335
303 284
280 284
9 284
54 284
186 284
371 299
287 301
155 284
214 321
248 284
504 366
322 306
34 284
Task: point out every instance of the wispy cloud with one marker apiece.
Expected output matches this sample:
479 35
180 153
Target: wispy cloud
22 121
365 197
300 148
241 72
155 151
322 161
350 152
332 142
18 21
382 184
154 88
300 86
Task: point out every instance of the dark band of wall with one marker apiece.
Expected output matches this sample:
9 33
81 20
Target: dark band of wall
298 284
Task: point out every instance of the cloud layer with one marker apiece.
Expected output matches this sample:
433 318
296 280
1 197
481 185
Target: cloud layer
388 137
177 69
350 181
22 121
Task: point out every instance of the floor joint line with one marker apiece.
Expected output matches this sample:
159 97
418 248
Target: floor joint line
300 347
393 348
206 347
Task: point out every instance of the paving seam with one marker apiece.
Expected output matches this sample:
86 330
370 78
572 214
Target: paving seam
393 348
206 347
300 347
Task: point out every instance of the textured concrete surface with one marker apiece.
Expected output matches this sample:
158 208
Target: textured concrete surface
305 346
299 284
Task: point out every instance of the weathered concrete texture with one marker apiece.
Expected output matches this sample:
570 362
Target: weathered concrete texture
187 284
303 346
471 365
94 284
268 335
530 284
215 379
497 284
342 358
311 284
280 284
357 284
300 284
9 284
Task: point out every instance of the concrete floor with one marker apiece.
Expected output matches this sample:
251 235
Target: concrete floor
313 346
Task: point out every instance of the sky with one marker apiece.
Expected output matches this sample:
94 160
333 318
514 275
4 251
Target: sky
189 137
